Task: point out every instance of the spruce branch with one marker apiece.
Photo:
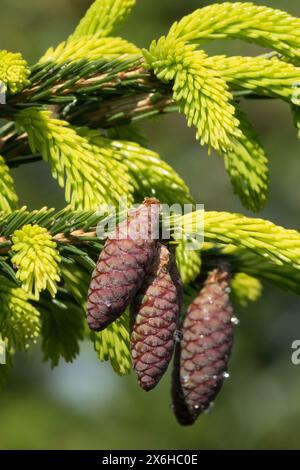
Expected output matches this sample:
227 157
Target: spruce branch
91 49
245 289
103 18
201 93
267 240
52 81
74 162
242 260
19 319
76 279
8 196
76 109
149 174
137 171
257 237
247 165
265 26
37 260
188 262
266 76
129 109
14 72
123 87
256 247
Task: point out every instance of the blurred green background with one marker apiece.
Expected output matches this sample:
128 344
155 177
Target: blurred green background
84 405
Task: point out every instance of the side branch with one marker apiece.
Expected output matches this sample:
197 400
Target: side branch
73 238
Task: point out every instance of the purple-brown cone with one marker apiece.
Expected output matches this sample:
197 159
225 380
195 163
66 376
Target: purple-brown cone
155 313
201 359
122 265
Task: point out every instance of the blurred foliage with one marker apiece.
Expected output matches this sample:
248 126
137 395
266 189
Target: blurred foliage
84 405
